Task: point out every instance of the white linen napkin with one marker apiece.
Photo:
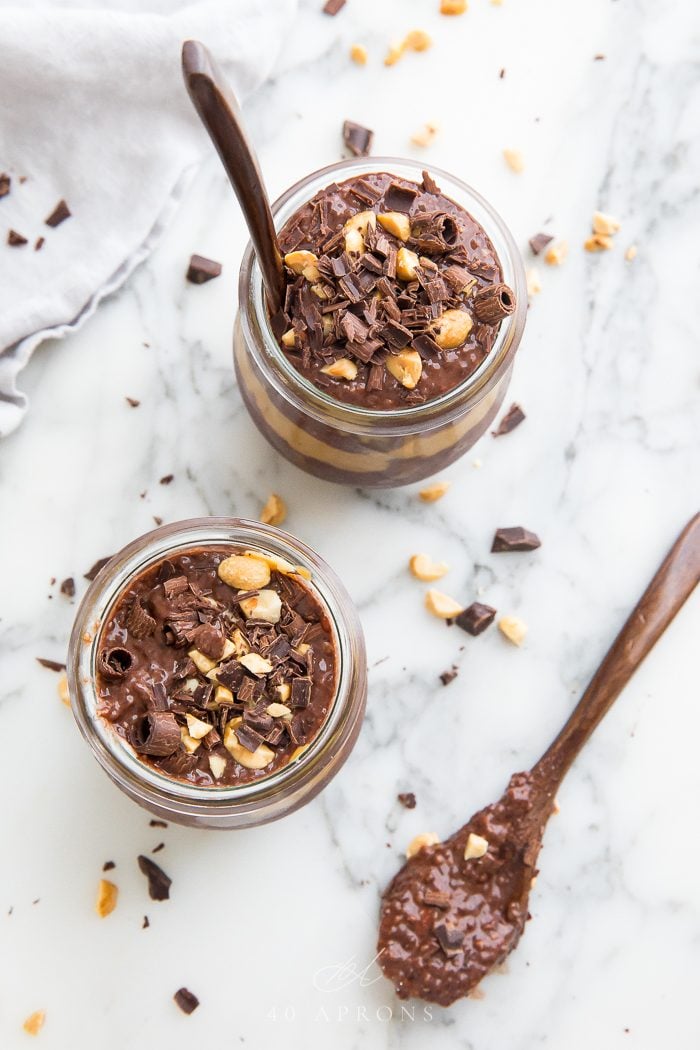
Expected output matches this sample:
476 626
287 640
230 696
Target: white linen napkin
93 111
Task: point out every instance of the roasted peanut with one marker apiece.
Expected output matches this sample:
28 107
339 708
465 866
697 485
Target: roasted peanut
303 263
476 847
407 263
406 367
451 329
441 605
257 759
434 492
267 605
256 664
513 629
395 222
244 572
426 570
196 727
428 838
107 894
217 764
343 368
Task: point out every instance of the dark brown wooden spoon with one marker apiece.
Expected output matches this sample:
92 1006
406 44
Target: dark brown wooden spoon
216 105
456 909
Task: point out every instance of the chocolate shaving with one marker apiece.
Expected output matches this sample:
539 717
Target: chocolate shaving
39 244
157 733
475 618
512 419
158 823
185 999
108 865
429 184
449 676
92 573
134 402
14 239
539 242
490 305
158 882
139 623
146 923
201 269
357 139
514 539
114 663
50 665
60 213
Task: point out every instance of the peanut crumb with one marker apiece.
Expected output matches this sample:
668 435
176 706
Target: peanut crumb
513 629
605 224
515 160
275 510
107 894
598 242
434 492
35 1022
631 253
358 54
533 282
417 40
453 7
426 136
556 254
62 686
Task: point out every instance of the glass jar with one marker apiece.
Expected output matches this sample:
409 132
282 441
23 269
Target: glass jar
235 806
346 443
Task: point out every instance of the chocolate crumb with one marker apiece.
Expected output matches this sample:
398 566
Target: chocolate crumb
158 823
158 521
99 564
332 7
133 402
158 848
502 73
599 58
449 676
166 479
68 587
146 923
186 1000
50 665
5 183
539 242
14 239
475 618
407 799
357 139
108 865
60 213
514 539
512 419
39 244
449 938
158 882
202 269
436 899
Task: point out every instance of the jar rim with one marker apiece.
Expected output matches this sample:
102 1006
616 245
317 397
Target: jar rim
310 398
144 781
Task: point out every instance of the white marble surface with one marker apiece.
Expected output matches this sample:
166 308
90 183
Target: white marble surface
605 469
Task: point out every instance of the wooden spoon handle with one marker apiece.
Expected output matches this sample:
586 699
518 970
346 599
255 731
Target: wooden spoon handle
216 105
672 585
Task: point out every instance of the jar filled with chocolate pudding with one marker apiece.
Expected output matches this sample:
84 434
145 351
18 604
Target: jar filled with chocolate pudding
217 669
405 304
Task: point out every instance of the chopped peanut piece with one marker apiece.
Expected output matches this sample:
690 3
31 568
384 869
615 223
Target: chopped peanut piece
62 685
275 510
476 847
223 695
513 629
393 55
35 1022
305 264
598 242
426 570
631 253
358 54
428 838
273 561
256 664
434 492
289 339
284 691
188 742
107 894
355 229
406 264
343 368
257 759
515 160
605 224
453 7
555 255
452 329
196 727
267 605
406 367
245 572
278 710
201 662
217 764
397 223
426 136
534 284
441 605
417 40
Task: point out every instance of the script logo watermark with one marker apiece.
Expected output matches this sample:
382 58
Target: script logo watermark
336 976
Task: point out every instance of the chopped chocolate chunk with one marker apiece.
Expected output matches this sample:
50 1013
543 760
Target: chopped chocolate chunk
14 239
156 734
430 185
5 183
97 567
512 419
210 640
39 244
158 520
450 938
357 139
185 999
490 305
60 213
166 479
247 737
449 676
539 242
68 587
475 618
158 882
133 402
115 662
407 799
139 623
502 72
301 692
50 665
514 539
158 848
436 899
202 269
153 823
399 198
108 865
146 923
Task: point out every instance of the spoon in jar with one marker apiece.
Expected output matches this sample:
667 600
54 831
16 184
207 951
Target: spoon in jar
218 110
457 908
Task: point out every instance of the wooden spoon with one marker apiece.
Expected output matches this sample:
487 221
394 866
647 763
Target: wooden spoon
456 909
216 105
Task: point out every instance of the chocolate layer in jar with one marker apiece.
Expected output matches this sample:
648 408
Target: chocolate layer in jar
217 665
394 292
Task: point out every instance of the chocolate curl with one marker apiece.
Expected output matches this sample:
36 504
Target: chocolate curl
492 304
157 734
114 663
